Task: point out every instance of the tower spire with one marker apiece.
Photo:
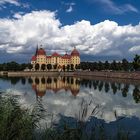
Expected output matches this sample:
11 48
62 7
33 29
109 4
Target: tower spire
36 50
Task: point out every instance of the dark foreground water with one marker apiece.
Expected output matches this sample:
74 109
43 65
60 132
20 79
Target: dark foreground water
115 105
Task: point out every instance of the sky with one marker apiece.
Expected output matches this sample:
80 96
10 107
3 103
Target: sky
99 29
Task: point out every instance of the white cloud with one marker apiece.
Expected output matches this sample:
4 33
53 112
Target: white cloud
106 38
109 5
14 2
135 49
17 15
130 7
70 9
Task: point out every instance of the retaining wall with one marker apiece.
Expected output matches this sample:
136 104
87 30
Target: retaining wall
119 75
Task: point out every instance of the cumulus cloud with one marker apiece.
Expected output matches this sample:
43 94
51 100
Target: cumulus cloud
14 2
3 4
70 7
112 6
22 33
135 49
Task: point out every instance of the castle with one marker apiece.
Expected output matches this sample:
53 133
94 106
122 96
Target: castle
42 61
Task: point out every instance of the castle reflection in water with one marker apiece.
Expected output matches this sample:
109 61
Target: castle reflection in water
43 84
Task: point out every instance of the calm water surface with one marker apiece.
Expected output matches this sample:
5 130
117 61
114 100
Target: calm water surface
115 104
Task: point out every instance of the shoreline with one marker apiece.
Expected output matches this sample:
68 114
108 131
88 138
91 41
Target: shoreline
90 74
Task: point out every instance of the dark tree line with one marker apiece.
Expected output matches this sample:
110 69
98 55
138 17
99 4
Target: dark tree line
13 66
116 66
123 65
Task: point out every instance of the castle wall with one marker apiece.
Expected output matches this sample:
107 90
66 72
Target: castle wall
55 59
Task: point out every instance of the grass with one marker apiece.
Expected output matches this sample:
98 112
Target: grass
15 123
22 124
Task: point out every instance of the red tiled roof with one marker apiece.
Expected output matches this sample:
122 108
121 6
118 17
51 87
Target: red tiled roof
66 56
55 54
75 52
48 56
41 51
33 58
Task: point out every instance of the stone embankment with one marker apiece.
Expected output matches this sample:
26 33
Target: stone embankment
118 75
29 73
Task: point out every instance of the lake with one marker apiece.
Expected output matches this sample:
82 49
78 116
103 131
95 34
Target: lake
113 103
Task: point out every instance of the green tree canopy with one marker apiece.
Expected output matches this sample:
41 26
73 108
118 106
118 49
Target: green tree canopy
136 62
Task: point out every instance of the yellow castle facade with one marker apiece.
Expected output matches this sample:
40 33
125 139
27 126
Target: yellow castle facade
42 61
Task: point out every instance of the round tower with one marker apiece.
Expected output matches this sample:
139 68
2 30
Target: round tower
75 57
41 58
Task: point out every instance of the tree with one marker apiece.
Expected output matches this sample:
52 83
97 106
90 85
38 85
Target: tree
37 66
1 67
49 67
100 66
136 62
94 66
106 65
114 65
125 65
43 67
23 66
13 66
83 65
119 66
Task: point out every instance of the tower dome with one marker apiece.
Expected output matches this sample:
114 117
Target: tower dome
41 51
75 52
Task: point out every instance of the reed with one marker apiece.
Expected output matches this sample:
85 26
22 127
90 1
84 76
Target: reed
22 124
